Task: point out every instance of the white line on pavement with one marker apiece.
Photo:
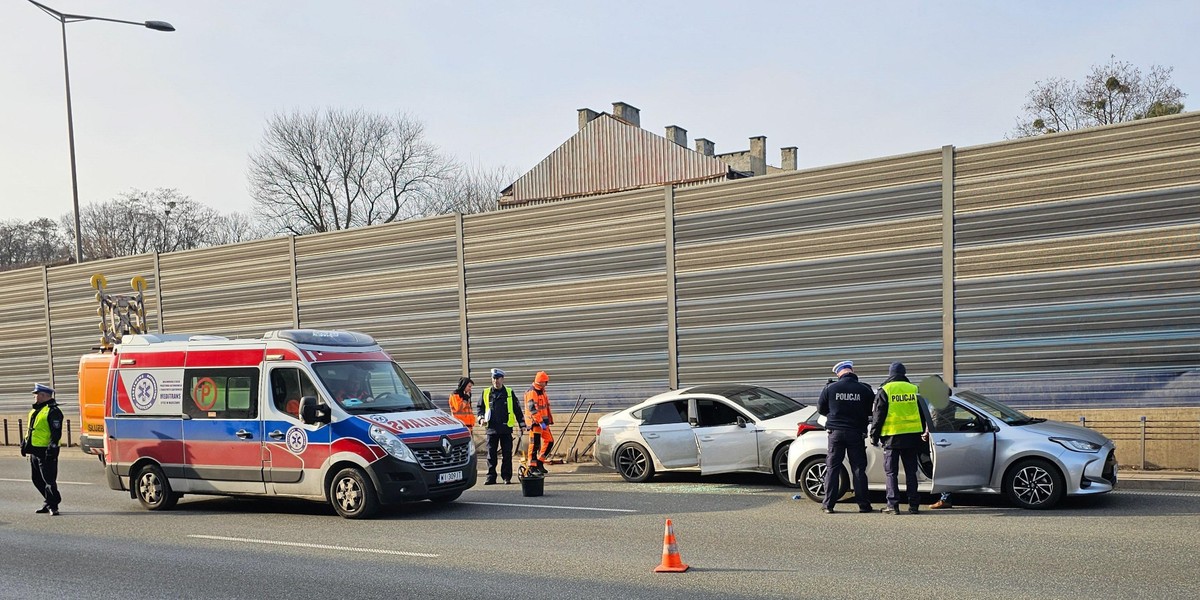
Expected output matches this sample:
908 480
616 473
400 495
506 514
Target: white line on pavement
621 510
59 483
315 546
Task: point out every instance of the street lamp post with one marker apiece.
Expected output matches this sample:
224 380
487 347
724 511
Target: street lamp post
65 18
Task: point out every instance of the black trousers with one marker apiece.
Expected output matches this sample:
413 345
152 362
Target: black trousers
43 470
500 440
892 457
846 444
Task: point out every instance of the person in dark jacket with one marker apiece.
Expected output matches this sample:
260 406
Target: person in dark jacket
901 422
41 445
500 412
846 404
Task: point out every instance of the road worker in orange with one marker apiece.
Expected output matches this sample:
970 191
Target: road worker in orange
539 419
460 403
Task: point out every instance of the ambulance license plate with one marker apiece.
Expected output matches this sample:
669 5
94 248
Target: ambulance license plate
448 477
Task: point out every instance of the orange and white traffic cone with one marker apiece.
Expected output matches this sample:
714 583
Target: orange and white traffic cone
671 563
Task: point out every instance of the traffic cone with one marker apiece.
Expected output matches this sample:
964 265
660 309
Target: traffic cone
671 563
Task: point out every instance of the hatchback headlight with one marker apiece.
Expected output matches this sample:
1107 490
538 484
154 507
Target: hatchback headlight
391 444
1076 445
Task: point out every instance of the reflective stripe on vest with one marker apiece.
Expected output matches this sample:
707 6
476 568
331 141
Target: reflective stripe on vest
487 405
39 427
903 415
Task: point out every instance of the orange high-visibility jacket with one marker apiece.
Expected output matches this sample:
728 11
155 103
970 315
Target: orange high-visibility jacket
537 407
461 409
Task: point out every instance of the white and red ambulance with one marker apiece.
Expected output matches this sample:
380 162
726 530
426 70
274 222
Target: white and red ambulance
303 413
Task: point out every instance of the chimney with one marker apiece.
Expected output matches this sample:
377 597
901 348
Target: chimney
758 155
677 134
586 115
705 147
627 113
787 158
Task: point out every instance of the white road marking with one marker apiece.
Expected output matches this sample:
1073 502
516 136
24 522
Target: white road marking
59 483
620 510
315 546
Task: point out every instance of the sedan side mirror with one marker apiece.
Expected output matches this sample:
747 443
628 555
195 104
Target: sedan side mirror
312 411
741 422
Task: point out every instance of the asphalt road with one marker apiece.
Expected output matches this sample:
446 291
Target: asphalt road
591 536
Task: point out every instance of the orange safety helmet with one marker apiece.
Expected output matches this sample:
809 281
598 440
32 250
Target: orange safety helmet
541 377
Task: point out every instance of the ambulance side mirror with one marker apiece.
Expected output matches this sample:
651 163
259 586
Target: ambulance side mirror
312 412
428 396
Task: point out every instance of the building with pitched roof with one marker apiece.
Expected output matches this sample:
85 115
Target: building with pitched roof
611 153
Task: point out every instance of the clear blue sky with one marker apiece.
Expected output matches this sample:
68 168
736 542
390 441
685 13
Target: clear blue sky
498 83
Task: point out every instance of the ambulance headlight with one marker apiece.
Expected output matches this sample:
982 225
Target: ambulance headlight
391 444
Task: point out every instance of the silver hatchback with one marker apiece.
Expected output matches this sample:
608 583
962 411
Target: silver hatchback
981 445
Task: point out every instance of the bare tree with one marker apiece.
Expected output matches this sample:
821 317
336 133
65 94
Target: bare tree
140 222
237 227
337 169
31 243
1115 92
470 189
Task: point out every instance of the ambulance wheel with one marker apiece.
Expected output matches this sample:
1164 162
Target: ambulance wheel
352 494
153 490
634 463
444 498
811 477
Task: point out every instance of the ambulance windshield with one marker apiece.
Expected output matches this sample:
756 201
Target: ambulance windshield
370 387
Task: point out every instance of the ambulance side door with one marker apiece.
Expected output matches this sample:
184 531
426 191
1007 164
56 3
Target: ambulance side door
293 452
222 432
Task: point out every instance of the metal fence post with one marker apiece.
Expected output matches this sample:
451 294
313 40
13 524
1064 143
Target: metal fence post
1082 421
6 432
69 444
20 430
1143 418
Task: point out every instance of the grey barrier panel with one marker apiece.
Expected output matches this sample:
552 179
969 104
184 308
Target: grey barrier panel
23 340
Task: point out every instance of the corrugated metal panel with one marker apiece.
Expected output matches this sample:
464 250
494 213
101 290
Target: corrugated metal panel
73 319
236 290
775 292
884 173
1142 155
396 282
608 155
23 343
577 289
1078 266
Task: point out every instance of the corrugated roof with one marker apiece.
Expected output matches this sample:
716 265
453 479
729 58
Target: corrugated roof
610 155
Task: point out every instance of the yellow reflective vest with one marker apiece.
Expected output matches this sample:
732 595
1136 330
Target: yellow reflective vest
487 406
903 415
39 426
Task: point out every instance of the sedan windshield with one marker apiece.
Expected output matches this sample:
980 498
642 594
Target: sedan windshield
368 387
997 409
763 403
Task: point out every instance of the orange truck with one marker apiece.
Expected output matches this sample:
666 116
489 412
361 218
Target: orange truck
120 316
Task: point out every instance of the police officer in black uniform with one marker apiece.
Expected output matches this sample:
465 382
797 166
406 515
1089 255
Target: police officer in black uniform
40 444
846 404
500 412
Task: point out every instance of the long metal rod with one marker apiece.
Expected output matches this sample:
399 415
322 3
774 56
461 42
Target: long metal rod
578 403
580 431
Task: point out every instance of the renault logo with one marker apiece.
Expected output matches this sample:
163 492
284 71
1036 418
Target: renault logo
446 445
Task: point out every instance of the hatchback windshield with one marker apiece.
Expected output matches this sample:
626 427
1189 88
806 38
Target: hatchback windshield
763 403
366 387
997 409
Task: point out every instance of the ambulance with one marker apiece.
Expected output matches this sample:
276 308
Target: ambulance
324 415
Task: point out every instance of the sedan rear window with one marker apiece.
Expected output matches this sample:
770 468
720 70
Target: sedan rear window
663 413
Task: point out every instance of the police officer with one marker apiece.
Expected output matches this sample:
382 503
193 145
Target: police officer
846 403
41 445
902 422
500 412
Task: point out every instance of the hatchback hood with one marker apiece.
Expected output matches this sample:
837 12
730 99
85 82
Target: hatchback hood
1067 430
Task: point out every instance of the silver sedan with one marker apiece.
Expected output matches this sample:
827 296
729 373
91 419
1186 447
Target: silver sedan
716 428
978 444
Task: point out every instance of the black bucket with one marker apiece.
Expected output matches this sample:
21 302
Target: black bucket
531 484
